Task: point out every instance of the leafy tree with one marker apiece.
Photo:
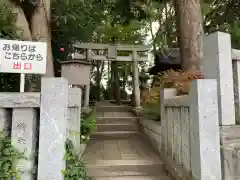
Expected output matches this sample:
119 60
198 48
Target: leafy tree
73 21
130 33
224 16
8 30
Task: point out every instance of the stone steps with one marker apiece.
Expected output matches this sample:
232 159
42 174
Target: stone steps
118 150
110 135
117 120
114 108
115 168
133 178
116 127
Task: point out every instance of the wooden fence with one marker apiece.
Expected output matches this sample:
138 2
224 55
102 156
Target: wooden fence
39 124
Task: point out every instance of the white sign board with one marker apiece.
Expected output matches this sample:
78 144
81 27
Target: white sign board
25 57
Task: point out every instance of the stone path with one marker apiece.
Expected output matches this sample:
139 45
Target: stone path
118 150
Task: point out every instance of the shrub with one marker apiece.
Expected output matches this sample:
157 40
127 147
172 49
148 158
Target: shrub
8 159
75 168
88 124
179 80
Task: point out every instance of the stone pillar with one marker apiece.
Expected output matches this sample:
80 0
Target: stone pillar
24 138
217 64
86 95
5 119
136 90
53 127
74 117
87 87
204 131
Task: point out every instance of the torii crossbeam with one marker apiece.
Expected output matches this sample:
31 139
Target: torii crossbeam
112 51
112 55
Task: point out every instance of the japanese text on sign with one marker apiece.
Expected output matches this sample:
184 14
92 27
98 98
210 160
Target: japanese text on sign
21 128
23 56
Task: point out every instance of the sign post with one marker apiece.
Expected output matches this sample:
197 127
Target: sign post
24 57
22 82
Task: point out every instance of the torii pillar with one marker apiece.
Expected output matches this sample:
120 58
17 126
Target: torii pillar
136 89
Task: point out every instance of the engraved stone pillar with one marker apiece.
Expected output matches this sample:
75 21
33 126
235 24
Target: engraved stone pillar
53 127
24 138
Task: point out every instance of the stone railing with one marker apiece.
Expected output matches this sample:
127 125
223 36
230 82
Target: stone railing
172 139
188 139
230 149
39 124
222 63
189 132
176 133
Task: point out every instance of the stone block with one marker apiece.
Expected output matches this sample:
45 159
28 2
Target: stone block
24 138
204 130
217 64
74 117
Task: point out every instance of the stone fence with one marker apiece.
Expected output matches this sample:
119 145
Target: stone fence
190 132
199 133
39 124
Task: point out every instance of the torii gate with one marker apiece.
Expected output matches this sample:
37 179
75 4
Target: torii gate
112 50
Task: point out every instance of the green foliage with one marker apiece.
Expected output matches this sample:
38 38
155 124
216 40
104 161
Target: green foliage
152 111
8 158
73 20
75 169
8 82
88 124
7 19
127 34
224 16
124 11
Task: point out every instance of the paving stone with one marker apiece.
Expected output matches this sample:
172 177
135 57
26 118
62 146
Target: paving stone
121 154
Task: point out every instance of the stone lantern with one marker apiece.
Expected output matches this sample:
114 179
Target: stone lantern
77 72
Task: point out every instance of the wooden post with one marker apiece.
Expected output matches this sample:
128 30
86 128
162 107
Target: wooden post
136 90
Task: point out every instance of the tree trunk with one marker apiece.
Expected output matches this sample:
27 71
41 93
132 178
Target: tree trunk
25 34
112 82
47 5
41 32
190 28
98 80
21 23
